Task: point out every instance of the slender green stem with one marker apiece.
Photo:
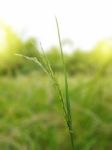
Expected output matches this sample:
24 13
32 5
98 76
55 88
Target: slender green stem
47 64
68 107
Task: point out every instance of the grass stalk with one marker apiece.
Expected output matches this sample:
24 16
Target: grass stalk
46 66
68 106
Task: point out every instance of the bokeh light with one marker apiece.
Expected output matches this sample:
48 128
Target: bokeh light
3 41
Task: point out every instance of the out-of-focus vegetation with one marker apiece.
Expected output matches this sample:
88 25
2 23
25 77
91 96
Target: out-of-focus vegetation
77 62
30 112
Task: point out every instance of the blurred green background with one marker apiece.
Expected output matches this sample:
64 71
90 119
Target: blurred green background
31 116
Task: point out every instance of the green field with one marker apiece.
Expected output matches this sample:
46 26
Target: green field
31 116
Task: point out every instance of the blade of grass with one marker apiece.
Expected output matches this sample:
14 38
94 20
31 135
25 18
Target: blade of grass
68 107
51 72
46 67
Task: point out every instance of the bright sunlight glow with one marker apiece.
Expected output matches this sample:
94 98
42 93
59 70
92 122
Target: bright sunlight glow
104 50
2 41
107 49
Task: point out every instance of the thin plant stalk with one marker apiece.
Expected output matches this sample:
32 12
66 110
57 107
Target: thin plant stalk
68 106
46 66
52 75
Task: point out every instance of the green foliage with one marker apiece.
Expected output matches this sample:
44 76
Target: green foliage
30 113
77 62
9 63
13 45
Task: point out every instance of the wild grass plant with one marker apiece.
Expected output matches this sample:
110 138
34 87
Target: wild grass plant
65 101
92 104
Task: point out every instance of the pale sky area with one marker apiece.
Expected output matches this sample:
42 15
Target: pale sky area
85 22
